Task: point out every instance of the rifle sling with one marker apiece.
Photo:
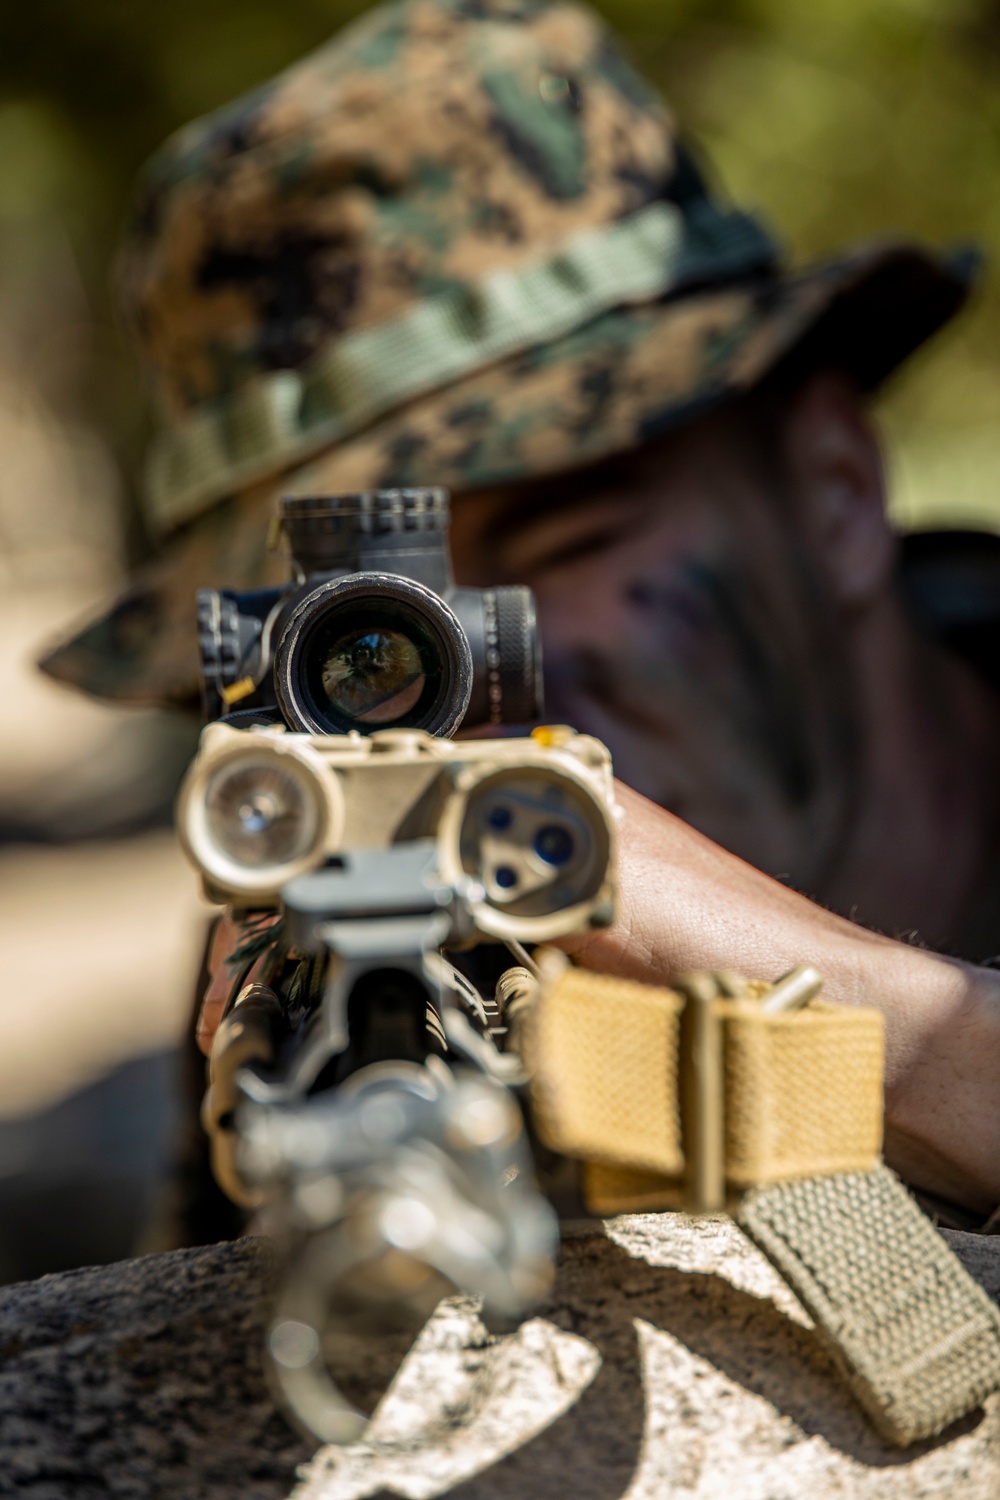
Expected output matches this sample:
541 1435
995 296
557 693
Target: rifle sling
916 1339
696 1097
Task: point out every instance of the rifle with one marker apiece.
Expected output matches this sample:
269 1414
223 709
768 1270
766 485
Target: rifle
363 1096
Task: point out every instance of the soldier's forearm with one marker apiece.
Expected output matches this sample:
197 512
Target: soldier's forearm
687 904
943 1091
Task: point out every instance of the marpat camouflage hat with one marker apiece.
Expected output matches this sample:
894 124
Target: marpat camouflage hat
460 244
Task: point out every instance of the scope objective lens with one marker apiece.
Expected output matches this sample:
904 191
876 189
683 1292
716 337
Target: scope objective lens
374 675
373 651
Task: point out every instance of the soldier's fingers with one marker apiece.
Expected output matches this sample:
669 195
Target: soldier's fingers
228 936
231 931
225 938
212 1006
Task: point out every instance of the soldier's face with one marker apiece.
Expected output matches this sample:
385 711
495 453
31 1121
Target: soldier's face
685 623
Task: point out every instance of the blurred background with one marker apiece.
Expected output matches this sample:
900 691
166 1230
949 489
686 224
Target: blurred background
838 119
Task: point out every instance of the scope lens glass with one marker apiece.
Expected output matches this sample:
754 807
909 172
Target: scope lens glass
373 665
259 814
373 675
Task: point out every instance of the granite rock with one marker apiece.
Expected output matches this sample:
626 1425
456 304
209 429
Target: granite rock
670 1360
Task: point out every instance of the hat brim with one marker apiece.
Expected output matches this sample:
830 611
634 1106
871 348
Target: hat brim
629 376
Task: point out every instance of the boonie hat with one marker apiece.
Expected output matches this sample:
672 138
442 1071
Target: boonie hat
461 244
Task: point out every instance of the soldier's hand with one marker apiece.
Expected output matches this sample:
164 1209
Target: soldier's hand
686 904
229 934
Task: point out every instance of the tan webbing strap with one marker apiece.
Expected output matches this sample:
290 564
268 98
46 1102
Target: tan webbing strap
918 1341
701 1097
604 1056
626 1076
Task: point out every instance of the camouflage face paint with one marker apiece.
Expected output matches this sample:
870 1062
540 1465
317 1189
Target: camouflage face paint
682 625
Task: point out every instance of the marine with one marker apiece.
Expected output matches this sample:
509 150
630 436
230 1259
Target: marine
465 244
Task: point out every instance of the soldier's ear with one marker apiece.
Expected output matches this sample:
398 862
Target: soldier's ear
834 462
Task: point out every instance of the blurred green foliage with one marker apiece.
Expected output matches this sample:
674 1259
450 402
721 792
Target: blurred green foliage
839 119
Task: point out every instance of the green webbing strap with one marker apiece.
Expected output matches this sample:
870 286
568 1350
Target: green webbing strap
284 417
917 1339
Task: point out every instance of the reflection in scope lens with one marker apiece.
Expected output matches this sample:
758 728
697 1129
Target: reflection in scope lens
373 675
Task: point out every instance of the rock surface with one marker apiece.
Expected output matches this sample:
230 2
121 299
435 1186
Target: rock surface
143 1380
670 1361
